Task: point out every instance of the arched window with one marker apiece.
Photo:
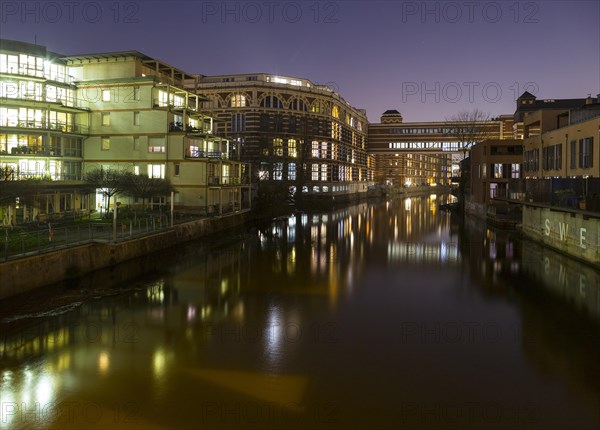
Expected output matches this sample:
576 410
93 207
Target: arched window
298 104
335 112
318 107
237 100
271 102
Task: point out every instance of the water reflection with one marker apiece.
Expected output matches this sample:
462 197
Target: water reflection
375 315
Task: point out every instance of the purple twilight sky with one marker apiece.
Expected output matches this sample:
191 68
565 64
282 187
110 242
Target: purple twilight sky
427 59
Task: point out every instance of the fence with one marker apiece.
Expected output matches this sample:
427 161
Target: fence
22 242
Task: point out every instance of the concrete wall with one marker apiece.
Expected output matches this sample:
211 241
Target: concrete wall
573 232
19 276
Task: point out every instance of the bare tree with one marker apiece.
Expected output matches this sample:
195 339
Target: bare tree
144 187
469 128
110 182
12 188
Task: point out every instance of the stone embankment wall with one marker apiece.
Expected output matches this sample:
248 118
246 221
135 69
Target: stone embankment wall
576 233
25 274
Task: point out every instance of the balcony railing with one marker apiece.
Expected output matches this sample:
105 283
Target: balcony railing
43 125
224 180
211 155
33 150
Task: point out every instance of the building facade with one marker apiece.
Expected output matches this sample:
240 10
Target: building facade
42 128
494 163
294 132
421 153
562 142
63 116
144 121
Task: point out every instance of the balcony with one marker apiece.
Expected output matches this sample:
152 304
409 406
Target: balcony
36 150
224 180
210 155
43 125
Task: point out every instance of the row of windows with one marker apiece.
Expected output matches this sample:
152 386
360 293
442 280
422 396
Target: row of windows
26 144
23 64
420 130
41 169
241 100
36 91
552 156
318 172
156 144
36 118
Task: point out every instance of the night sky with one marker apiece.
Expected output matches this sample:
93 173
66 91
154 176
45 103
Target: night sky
426 59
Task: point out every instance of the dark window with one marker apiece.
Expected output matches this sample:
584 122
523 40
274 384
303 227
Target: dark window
573 155
586 152
292 124
278 123
264 122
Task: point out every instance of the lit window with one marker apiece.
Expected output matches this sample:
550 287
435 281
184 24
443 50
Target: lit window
105 118
105 143
105 95
156 171
335 112
156 144
292 171
238 100
278 147
315 172
278 171
315 149
292 148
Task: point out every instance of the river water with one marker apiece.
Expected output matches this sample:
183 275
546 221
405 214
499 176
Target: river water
378 315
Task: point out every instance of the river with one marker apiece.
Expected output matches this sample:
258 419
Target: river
378 315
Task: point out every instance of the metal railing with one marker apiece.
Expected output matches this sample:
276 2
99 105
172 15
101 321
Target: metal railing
23 241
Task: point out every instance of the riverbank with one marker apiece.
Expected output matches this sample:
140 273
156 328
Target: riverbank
30 273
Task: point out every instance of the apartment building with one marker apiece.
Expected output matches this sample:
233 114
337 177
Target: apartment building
42 129
63 116
561 139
